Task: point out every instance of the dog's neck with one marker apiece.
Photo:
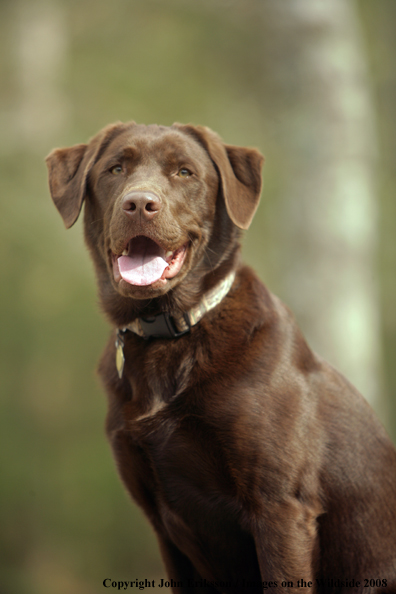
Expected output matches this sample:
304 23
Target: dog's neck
164 325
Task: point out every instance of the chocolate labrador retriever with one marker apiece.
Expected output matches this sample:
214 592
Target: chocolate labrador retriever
258 465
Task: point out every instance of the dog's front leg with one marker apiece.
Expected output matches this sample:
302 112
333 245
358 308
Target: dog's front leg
287 547
137 477
182 575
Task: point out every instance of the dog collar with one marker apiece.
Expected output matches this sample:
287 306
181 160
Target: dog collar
164 325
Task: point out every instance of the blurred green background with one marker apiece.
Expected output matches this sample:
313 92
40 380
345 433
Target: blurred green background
312 85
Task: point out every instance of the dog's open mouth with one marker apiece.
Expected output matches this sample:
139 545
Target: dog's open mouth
143 262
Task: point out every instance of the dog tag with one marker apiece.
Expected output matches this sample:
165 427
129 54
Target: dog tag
120 358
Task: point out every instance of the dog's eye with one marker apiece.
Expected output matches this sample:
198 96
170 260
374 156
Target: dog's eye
184 172
116 170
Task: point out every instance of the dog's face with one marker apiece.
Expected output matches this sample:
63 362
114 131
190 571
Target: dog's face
160 203
156 193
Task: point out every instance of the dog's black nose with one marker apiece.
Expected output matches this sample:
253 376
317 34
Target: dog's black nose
139 204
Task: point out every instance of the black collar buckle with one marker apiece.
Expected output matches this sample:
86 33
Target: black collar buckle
163 326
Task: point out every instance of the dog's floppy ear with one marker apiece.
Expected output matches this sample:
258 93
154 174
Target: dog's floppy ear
68 170
240 173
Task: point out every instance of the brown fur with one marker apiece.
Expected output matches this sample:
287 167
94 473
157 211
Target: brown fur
252 458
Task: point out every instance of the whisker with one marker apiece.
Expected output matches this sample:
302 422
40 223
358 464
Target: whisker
97 221
206 250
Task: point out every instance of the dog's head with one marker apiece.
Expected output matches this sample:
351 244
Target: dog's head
162 205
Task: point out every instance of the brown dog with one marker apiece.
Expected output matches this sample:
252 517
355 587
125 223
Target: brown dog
258 465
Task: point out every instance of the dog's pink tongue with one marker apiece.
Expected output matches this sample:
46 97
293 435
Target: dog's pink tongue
141 268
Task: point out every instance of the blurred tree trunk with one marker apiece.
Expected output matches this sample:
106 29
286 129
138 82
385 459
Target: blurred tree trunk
41 111
314 70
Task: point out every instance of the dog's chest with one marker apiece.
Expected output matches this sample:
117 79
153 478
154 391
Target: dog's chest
185 457
195 495
186 433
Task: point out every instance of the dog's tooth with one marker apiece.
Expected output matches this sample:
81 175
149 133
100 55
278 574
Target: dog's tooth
168 253
125 253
